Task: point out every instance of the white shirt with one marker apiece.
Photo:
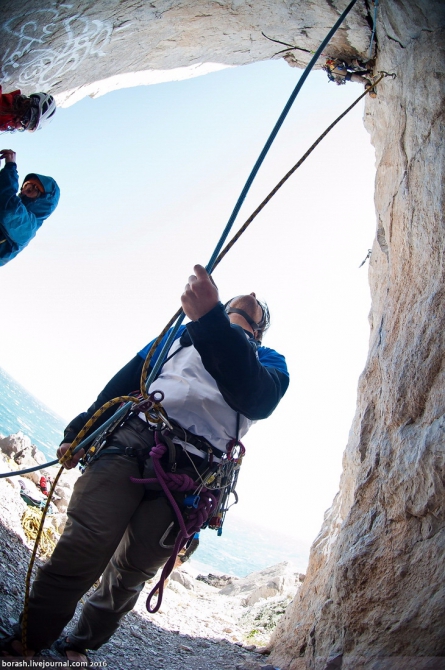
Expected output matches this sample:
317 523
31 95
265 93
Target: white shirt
192 398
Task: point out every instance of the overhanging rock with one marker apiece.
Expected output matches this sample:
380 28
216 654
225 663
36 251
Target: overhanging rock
88 48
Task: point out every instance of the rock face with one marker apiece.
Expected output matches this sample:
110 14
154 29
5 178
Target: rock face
373 596
84 48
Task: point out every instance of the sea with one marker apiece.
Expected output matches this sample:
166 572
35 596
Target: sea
244 547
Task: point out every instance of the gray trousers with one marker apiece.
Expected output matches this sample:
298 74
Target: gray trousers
111 529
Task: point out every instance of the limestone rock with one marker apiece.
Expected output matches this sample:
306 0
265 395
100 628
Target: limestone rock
22 454
218 581
17 453
84 48
181 577
13 444
24 460
63 494
374 593
277 580
261 619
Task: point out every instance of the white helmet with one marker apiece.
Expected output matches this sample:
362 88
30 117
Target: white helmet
43 108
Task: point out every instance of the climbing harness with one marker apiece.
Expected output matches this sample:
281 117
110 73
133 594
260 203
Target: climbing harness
150 407
225 481
206 495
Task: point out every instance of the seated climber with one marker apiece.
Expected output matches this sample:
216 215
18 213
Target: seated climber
217 380
25 112
340 72
21 215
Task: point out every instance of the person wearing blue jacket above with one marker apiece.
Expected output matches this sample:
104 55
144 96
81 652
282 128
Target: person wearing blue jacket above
22 214
217 380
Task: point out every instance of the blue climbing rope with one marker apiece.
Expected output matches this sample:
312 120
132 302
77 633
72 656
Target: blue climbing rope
120 412
248 184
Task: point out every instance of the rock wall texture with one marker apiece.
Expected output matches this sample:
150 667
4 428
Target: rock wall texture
374 593
83 47
373 596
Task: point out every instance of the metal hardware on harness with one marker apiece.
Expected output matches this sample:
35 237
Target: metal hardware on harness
100 442
152 409
226 478
165 536
154 398
191 501
147 406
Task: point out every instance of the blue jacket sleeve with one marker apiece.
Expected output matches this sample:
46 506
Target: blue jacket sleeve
16 222
248 386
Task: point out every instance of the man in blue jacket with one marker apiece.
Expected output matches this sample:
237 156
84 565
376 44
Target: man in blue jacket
21 215
217 380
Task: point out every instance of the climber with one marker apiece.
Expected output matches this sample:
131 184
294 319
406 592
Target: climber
45 484
22 215
340 72
25 112
216 378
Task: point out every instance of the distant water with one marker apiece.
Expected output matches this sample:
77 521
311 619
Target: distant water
243 547
19 410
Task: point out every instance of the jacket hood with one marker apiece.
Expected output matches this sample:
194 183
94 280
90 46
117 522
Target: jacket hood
45 205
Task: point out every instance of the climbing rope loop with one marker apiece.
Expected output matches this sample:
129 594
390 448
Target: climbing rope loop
31 523
196 514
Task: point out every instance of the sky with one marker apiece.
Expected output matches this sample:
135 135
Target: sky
148 178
